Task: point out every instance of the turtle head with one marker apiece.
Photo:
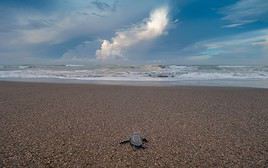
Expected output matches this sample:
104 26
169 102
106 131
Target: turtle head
136 133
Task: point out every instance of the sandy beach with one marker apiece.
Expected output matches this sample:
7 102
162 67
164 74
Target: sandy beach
81 125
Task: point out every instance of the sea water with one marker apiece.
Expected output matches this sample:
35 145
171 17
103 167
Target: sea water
207 75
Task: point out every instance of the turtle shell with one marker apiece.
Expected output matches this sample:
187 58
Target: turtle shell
136 140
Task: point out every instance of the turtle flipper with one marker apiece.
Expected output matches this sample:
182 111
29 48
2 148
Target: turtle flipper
144 140
143 147
124 142
134 147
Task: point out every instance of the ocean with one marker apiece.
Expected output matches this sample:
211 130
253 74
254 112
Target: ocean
204 75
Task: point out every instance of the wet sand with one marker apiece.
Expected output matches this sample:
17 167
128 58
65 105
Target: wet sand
81 125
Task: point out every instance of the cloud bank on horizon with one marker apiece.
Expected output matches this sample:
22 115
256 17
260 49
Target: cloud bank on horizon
153 27
163 31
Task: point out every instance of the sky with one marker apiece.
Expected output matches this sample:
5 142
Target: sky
134 32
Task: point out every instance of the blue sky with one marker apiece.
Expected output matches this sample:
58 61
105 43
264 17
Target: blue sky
124 31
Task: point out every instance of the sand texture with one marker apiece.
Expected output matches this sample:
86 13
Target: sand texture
81 125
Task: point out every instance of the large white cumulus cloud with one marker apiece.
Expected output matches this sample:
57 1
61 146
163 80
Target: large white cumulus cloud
153 27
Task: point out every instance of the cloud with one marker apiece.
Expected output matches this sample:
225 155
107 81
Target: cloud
249 47
232 25
199 58
245 12
153 27
248 39
83 51
91 19
104 6
64 28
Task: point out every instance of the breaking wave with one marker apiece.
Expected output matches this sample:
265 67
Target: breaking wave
136 73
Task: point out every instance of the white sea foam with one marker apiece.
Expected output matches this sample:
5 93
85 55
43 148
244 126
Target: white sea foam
136 73
73 65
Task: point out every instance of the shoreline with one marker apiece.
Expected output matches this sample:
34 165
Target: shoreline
44 124
261 84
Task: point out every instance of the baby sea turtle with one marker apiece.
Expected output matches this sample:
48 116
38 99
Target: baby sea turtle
136 141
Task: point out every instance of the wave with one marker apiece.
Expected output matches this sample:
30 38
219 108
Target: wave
137 73
73 65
